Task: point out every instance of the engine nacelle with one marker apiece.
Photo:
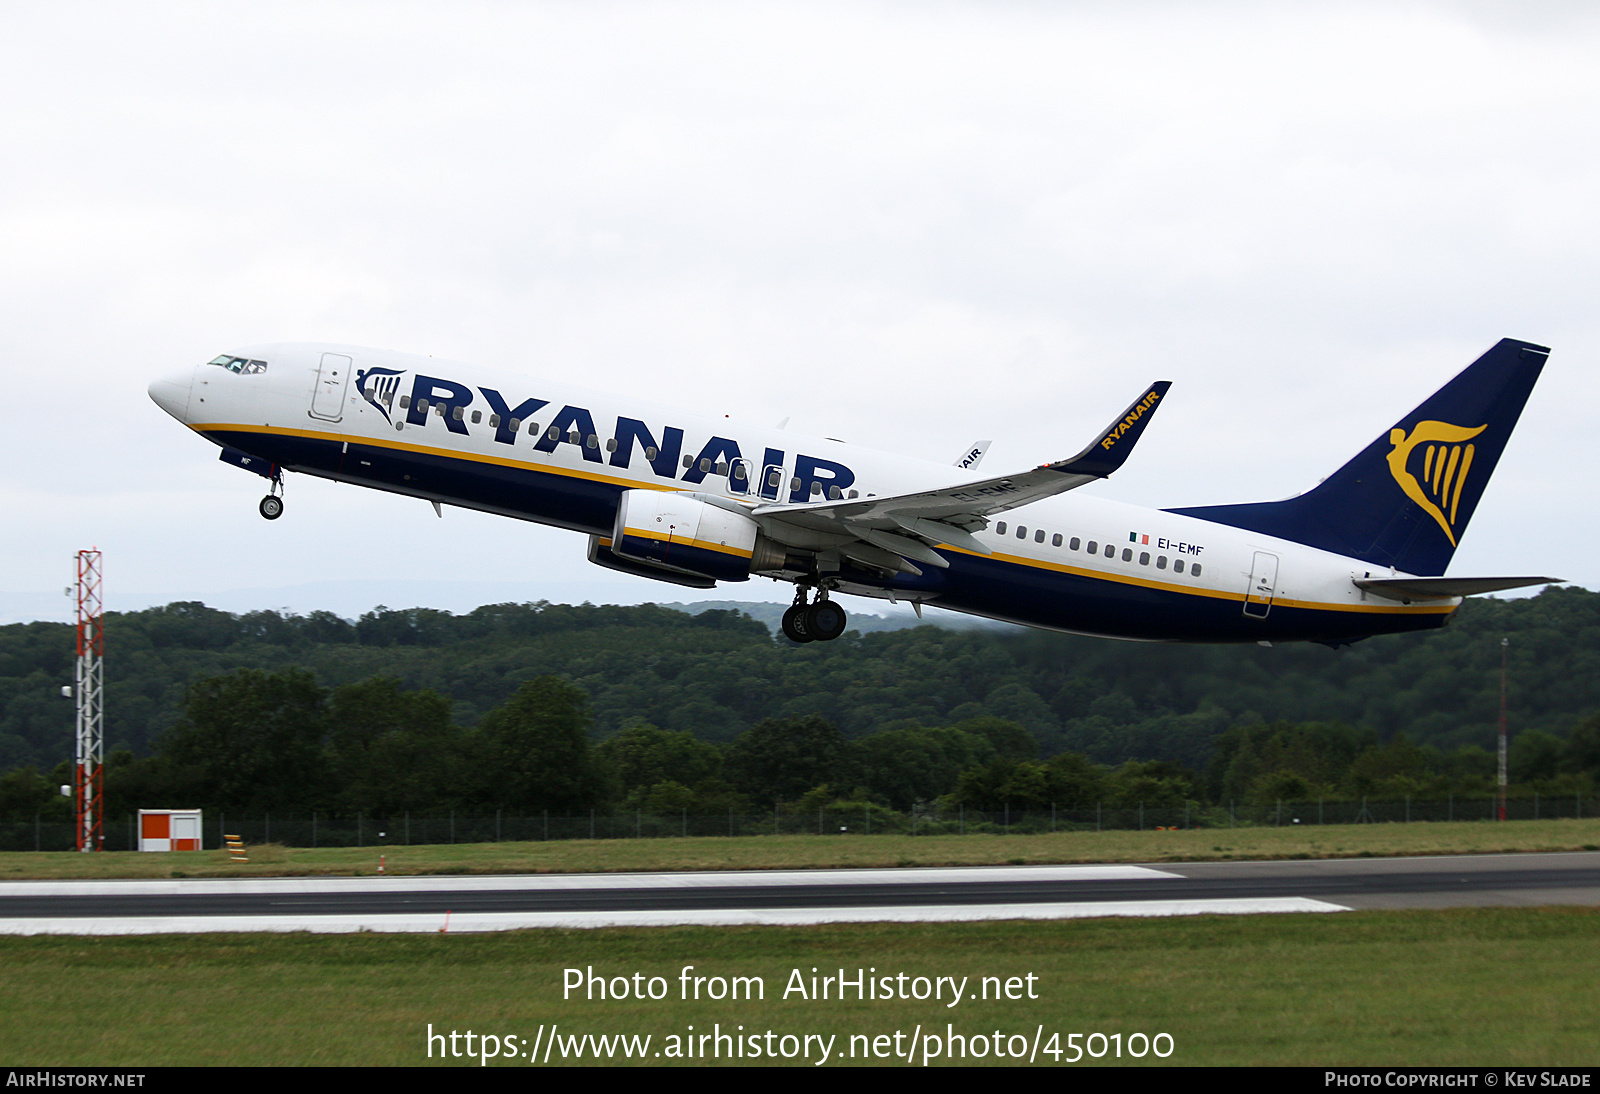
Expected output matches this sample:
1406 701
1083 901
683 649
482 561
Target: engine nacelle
600 554
682 534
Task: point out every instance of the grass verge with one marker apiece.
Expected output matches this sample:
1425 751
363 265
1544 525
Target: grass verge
819 852
1471 986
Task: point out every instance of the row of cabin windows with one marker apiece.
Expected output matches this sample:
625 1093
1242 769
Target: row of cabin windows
737 470
1109 550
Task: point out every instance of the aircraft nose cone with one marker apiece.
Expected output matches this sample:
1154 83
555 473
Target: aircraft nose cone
171 393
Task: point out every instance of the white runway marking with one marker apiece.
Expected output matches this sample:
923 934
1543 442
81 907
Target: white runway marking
455 883
719 917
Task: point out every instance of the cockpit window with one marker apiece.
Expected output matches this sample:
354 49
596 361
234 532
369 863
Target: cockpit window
242 365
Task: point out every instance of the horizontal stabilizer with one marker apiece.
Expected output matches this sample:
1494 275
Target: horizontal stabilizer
1438 588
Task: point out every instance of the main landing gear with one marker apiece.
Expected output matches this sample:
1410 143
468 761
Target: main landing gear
820 621
271 506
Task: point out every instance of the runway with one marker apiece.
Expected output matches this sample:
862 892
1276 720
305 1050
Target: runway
455 903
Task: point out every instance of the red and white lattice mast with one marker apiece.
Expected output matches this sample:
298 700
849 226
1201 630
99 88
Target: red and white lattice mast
88 780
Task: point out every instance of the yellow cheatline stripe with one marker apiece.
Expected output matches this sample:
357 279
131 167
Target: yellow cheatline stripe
1217 594
446 453
678 541
1101 575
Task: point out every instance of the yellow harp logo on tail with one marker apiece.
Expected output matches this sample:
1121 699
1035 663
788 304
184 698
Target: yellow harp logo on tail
1446 460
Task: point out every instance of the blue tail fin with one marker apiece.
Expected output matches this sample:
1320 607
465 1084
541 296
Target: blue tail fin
1406 499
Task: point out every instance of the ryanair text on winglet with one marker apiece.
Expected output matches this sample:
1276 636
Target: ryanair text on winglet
1118 431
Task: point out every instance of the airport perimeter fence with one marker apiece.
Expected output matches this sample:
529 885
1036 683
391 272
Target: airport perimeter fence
360 830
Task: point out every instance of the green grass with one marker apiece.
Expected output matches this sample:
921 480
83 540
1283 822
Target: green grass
1474 986
817 852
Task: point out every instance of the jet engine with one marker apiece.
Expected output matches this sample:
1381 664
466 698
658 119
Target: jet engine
677 536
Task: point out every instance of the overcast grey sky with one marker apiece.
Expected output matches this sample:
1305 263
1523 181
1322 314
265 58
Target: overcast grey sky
908 225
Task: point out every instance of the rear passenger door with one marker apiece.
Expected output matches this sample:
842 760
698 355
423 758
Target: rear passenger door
1263 584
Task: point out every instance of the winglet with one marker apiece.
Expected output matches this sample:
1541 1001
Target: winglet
1116 443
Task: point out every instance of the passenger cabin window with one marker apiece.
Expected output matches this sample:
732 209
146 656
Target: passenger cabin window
514 424
1161 562
1074 543
1038 537
1055 540
1177 566
1144 558
1094 548
1022 531
1194 571
1111 551
405 402
1000 529
1127 554
477 416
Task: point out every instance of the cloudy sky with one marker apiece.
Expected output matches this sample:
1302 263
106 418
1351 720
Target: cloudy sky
907 225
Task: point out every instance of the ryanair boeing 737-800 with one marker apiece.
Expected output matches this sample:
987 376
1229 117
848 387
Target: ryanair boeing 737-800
694 500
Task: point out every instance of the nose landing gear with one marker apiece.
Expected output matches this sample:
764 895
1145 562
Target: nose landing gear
271 506
820 621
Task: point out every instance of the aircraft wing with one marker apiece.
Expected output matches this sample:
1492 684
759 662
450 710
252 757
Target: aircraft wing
905 525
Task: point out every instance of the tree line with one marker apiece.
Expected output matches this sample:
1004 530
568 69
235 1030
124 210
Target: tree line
719 673
253 741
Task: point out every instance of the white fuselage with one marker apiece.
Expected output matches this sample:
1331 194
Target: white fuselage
352 414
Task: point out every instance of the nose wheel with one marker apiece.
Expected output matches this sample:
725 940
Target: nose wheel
819 621
271 506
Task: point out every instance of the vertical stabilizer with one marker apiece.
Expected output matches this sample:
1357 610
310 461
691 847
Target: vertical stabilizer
1405 501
